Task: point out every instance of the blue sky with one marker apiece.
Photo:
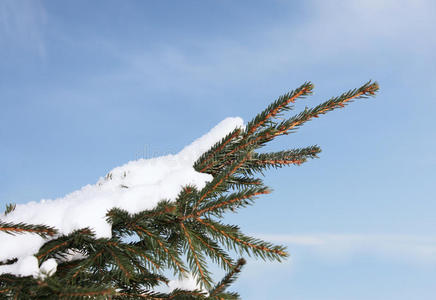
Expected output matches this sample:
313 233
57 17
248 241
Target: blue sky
87 86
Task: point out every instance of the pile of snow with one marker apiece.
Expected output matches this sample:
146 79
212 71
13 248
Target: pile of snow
186 283
135 186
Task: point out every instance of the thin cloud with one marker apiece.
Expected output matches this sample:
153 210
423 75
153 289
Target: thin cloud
333 32
401 248
371 24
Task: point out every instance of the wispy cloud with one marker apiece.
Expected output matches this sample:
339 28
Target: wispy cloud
21 25
401 248
354 24
334 32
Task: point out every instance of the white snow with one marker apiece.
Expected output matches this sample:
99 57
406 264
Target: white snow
186 283
135 186
49 267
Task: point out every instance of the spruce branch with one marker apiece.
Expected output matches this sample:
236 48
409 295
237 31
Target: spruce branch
262 161
204 161
241 182
149 261
93 259
61 246
187 295
196 260
228 202
86 293
228 279
41 230
235 240
217 185
366 90
281 104
214 251
8 261
122 262
260 138
10 208
162 248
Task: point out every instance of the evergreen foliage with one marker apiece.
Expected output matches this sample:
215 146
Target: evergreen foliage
181 236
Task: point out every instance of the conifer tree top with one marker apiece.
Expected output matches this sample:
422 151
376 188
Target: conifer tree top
182 234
